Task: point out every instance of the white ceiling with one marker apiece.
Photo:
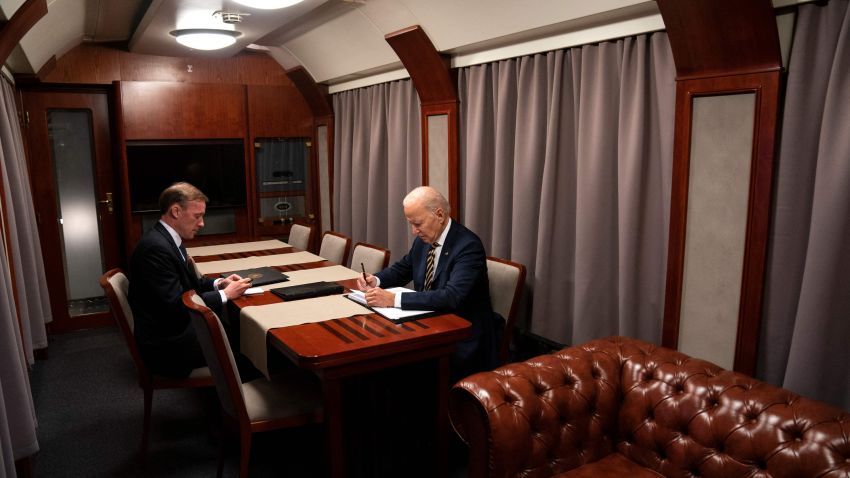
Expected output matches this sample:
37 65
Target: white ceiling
340 42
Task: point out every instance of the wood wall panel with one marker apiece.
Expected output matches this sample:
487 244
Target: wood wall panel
278 111
177 69
260 69
85 64
156 110
103 64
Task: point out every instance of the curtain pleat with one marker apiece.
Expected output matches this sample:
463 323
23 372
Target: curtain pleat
25 245
17 411
807 293
377 161
566 160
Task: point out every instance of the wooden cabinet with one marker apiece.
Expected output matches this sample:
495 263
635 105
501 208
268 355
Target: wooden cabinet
269 120
280 126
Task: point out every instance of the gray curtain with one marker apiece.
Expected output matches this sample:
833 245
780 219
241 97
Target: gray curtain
377 160
17 412
25 247
806 325
566 164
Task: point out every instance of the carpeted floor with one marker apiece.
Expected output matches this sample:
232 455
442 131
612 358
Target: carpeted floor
89 410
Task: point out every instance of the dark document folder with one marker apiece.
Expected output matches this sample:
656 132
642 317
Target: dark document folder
306 291
260 275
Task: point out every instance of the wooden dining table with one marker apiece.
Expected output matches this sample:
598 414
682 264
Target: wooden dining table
348 347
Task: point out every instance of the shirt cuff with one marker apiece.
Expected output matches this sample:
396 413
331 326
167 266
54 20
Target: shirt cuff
398 300
220 292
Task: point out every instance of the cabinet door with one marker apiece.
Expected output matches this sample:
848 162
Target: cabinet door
284 184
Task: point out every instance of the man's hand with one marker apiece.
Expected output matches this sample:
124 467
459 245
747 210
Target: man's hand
370 282
377 297
235 287
222 284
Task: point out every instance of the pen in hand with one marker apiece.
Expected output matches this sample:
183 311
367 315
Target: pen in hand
363 268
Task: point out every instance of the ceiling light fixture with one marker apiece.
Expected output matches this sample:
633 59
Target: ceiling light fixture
267 4
205 38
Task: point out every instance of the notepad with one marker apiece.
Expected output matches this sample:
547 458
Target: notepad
392 313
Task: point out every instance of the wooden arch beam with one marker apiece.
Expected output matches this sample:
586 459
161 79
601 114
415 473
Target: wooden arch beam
716 37
435 84
25 18
429 70
315 94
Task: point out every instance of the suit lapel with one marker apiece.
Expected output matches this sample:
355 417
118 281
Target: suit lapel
188 278
446 252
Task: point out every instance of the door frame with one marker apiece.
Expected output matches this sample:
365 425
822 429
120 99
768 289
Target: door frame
44 191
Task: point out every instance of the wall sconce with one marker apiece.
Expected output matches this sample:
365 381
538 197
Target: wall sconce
267 4
205 38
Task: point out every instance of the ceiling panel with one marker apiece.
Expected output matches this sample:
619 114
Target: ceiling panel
58 31
345 44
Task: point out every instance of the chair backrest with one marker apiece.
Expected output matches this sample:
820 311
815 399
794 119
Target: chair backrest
116 286
507 280
219 356
373 258
300 236
335 247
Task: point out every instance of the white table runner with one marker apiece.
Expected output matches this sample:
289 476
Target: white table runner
255 321
252 262
236 247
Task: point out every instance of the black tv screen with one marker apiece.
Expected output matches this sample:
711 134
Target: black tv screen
215 167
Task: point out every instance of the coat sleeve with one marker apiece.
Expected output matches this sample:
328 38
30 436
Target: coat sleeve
398 274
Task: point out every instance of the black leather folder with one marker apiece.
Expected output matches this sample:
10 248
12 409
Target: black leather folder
260 275
307 291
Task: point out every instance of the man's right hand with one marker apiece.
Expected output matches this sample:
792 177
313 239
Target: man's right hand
236 288
370 282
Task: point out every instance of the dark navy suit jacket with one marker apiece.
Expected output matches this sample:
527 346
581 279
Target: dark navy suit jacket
460 286
158 278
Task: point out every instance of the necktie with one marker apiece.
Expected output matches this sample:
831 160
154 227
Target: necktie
184 253
429 266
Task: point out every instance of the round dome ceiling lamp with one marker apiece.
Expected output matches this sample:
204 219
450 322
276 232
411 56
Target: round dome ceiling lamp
267 4
205 38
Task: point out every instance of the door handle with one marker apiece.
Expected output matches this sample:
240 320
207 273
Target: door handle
108 202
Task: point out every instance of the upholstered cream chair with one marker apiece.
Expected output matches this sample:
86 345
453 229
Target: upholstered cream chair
335 247
300 236
373 258
116 286
256 406
507 280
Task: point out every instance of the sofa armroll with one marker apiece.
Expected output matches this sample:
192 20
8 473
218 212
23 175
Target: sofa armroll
541 417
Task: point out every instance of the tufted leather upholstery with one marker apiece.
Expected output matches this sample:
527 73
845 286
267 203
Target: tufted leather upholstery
623 407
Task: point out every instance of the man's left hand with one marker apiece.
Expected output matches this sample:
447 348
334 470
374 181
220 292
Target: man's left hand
377 297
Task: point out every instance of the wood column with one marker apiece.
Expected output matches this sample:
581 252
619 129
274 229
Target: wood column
728 64
317 98
435 83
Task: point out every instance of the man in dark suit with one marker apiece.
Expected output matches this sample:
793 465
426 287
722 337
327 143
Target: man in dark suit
160 272
448 267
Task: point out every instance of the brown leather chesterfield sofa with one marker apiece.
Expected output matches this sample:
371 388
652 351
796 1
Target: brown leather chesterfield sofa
626 408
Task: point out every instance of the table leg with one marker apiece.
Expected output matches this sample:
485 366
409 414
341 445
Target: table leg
440 443
333 423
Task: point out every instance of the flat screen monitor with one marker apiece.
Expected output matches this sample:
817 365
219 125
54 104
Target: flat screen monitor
215 167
